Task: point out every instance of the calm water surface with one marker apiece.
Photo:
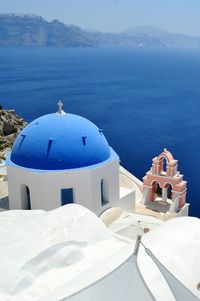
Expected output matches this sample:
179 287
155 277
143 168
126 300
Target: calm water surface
144 100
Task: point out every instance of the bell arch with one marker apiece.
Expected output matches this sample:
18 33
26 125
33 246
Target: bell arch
167 155
156 190
163 162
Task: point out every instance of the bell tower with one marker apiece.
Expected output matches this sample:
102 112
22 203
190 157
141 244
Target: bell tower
163 185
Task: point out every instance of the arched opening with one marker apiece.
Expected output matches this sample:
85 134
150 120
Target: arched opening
163 165
25 197
28 198
159 197
169 190
104 199
157 190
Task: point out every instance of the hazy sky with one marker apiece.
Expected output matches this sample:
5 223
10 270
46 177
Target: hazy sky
114 15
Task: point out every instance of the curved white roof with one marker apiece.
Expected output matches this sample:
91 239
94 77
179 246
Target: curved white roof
53 255
69 254
176 244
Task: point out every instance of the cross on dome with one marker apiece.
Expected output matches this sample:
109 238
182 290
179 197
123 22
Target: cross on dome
60 107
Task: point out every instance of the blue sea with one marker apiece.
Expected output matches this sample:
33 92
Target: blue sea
144 99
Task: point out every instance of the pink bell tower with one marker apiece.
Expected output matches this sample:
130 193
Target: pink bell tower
164 185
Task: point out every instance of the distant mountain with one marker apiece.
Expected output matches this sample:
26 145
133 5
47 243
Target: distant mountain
146 29
33 30
122 39
166 38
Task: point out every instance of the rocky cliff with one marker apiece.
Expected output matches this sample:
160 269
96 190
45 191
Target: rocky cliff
10 125
32 30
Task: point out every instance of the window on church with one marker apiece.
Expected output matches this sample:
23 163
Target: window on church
26 198
67 196
104 200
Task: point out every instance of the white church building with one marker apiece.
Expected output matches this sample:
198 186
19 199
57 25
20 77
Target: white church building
58 252
62 158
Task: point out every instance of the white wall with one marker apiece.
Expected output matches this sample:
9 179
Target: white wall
45 187
127 202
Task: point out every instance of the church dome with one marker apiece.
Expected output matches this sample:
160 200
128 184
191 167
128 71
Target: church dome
60 141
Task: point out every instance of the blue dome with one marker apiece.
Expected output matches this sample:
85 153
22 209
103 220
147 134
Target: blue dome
60 141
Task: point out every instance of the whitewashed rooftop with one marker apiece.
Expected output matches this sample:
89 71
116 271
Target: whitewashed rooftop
69 254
